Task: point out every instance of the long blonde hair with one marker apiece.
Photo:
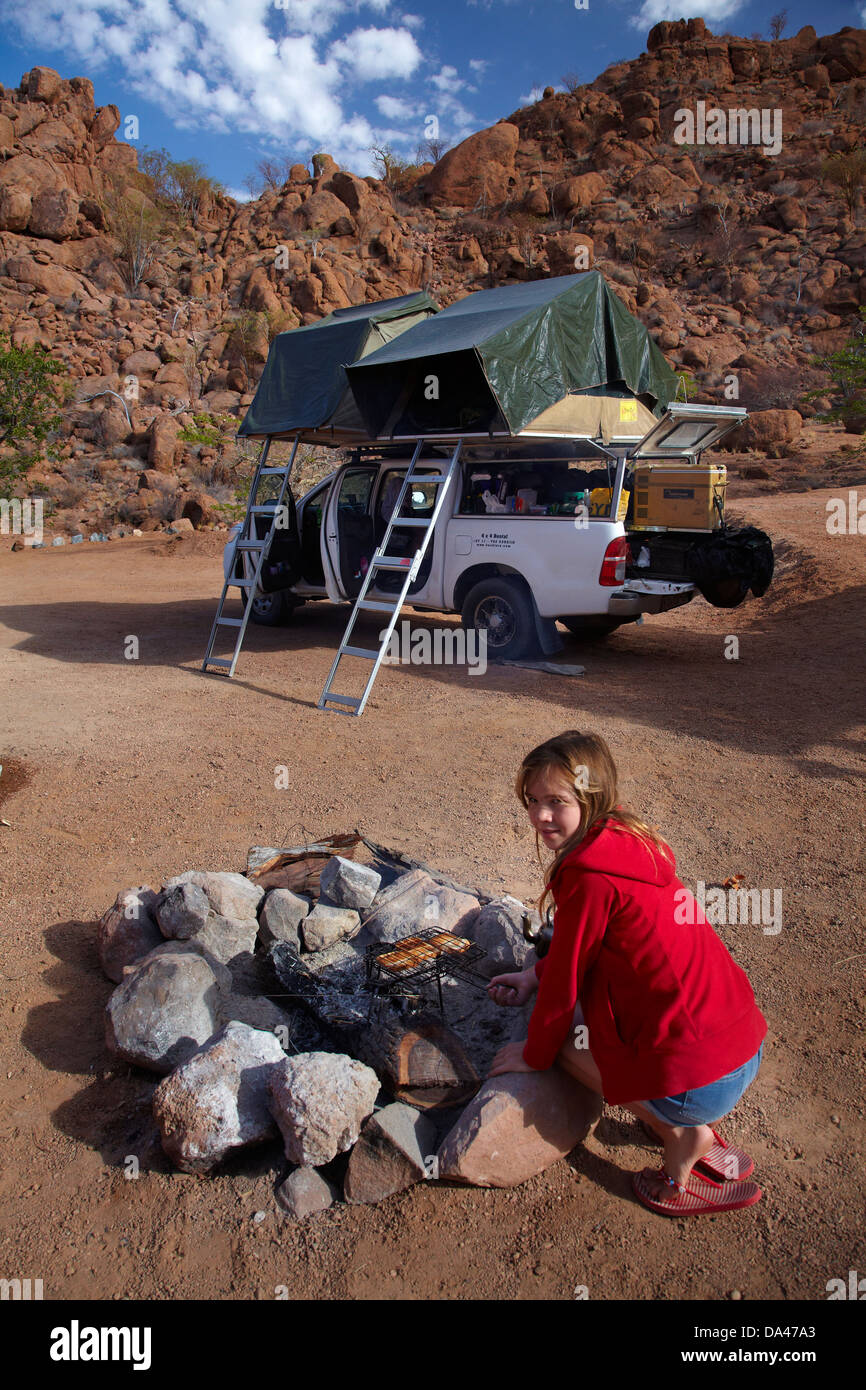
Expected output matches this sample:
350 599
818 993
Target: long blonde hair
587 764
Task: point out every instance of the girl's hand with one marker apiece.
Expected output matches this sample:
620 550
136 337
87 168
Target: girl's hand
510 1058
513 989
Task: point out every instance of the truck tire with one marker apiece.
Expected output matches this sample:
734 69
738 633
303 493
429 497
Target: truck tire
501 607
591 628
271 610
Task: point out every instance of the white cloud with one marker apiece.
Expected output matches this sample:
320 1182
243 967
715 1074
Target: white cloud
479 65
284 75
447 80
713 11
373 54
240 195
530 97
395 109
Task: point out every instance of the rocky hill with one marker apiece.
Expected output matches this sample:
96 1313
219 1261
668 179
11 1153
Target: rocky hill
742 258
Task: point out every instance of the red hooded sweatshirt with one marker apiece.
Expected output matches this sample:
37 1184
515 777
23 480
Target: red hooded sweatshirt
667 1009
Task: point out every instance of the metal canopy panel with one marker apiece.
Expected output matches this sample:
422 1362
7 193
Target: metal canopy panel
498 359
303 386
689 429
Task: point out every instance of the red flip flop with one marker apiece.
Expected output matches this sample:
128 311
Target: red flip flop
698 1197
724 1162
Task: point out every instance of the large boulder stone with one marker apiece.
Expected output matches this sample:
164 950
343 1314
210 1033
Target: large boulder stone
163 446
128 931
182 911
304 1193
414 901
770 431
478 170
498 930
231 895
54 214
396 1148
230 941
320 1100
218 1100
43 84
578 192
327 213
52 279
516 1126
327 925
347 884
15 205
163 1011
282 914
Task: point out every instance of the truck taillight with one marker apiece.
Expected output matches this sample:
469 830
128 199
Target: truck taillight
613 565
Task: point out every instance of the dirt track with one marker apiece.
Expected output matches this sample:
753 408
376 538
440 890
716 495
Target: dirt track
119 772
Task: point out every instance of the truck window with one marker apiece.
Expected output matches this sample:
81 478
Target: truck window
549 488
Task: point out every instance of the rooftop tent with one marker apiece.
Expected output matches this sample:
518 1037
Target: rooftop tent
561 357
303 387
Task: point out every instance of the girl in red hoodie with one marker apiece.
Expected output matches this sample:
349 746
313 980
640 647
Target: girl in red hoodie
637 997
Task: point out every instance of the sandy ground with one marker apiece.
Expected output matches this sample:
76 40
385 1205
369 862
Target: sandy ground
118 772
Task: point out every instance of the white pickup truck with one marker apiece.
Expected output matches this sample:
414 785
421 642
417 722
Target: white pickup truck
526 536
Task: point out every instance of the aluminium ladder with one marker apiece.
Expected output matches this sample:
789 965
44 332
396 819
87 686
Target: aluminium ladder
253 552
383 561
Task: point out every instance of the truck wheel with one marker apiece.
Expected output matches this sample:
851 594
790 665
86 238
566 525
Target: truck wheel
589 627
502 608
271 609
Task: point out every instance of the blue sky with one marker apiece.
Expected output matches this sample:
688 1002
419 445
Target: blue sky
233 81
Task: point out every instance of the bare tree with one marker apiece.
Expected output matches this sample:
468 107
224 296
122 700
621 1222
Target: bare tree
778 23
572 83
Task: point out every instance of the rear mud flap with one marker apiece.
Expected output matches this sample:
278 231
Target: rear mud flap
548 639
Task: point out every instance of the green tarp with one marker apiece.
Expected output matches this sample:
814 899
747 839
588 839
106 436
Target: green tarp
497 359
303 387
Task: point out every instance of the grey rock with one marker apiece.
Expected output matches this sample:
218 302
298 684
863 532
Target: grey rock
327 925
128 930
348 884
305 1192
281 915
218 1100
498 930
516 1126
396 1148
415 901
192 947
163 1010
227 938
320 1100
182 911
231 895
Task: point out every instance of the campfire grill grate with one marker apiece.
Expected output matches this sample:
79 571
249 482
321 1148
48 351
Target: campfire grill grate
402 969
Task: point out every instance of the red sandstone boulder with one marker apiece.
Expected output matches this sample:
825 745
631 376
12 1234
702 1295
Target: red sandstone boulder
480 168
15 204
43 84
163 443
54 214
771 431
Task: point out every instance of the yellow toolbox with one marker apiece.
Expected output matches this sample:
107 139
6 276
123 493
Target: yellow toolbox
678 497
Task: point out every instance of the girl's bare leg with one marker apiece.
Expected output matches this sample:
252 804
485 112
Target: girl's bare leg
683 1145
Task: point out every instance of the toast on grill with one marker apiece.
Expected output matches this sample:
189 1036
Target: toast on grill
413 951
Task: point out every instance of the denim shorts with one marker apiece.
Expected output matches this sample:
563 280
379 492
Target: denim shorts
708 1103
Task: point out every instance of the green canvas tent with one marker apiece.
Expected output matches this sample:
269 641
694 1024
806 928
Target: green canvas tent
303 388
559 358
